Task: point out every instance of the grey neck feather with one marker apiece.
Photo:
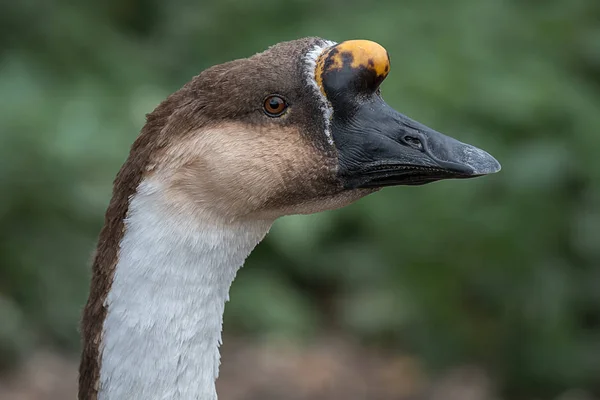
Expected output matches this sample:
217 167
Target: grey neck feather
165 308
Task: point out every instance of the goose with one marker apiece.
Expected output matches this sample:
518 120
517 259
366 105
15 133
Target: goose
296 129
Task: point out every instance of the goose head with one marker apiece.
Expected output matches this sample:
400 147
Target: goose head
299 128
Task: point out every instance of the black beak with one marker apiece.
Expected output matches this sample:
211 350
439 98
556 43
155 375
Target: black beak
377 146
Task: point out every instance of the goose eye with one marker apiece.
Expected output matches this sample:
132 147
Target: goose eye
274 106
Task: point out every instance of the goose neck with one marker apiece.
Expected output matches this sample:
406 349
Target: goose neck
161 335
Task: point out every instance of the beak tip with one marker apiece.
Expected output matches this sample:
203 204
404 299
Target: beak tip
481 161
491 168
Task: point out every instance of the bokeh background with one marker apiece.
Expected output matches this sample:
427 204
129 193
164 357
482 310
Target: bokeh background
467 290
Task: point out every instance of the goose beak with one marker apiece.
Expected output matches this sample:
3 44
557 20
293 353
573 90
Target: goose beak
376 145
381 147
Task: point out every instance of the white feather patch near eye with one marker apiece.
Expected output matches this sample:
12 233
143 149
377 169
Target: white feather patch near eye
311 63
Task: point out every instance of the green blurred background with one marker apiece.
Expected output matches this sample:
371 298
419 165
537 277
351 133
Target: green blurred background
502 272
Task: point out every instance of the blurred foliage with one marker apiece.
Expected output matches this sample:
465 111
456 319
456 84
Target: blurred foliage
502 271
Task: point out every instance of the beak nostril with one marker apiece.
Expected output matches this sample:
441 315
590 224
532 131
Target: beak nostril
414 142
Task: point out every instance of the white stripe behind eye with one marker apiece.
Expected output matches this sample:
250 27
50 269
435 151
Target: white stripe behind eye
311 63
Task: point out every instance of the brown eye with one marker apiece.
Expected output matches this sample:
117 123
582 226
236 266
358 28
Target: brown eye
275 106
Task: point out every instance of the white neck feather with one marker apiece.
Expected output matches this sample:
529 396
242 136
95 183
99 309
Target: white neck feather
165 308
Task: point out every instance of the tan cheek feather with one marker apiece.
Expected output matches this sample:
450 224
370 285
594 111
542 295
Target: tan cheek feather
238 172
